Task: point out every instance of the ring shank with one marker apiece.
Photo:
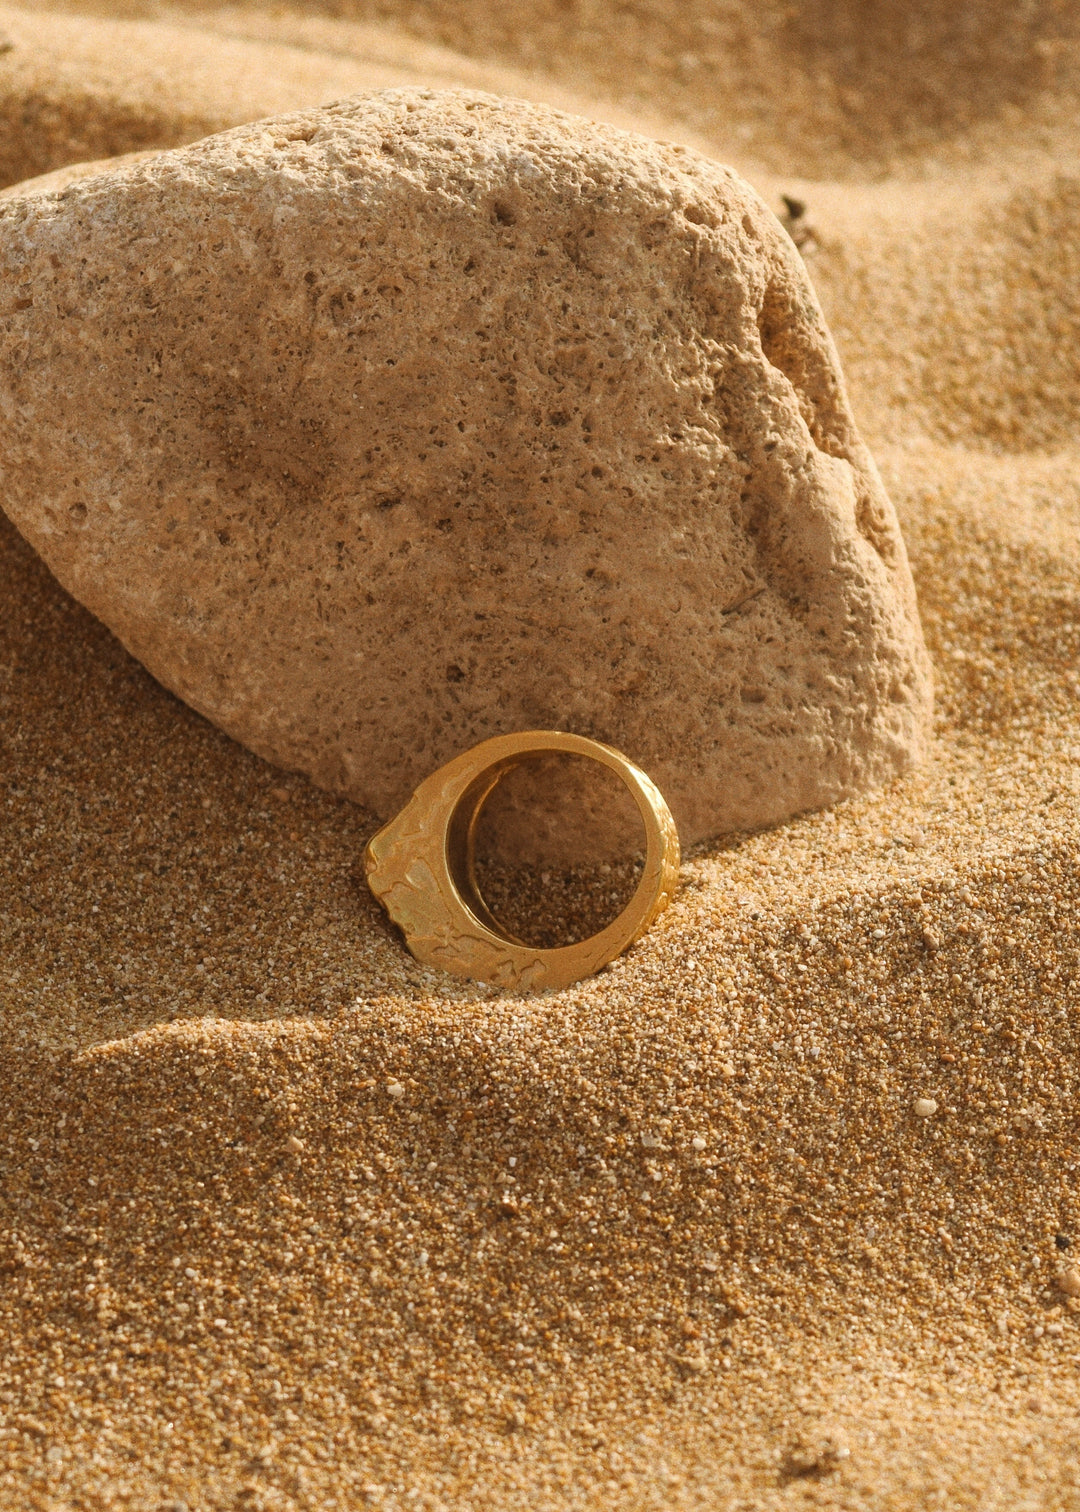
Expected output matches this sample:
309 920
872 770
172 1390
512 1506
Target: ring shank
422 867
461 843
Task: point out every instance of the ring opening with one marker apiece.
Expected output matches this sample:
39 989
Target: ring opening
548 849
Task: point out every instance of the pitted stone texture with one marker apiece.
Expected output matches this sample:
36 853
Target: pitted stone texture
382 428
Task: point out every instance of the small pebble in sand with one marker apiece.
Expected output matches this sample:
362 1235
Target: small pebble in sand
925 1107
697 1142
395 1089
815 1458
1068 1281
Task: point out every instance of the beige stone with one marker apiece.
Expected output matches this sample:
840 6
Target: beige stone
1068 1280
378 429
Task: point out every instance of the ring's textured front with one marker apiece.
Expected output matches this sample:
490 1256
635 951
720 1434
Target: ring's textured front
421 867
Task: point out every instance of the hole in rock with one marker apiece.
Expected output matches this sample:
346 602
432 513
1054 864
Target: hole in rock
780 337
787 345
559 850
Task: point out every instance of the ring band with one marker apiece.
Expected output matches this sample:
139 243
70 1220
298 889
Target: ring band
422 868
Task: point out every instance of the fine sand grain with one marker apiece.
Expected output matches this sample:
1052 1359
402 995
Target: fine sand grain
779 1211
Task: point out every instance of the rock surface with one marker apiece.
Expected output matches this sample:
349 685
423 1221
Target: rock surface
73 173
385 427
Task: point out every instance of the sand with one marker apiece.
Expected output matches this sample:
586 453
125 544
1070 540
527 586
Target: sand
286 1222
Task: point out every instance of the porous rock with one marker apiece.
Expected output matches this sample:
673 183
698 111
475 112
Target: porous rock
381 428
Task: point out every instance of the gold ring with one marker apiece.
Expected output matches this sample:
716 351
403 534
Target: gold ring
422 868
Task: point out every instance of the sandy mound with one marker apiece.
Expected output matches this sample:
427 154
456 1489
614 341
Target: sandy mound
286 1224
974 343
832 86
76 89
